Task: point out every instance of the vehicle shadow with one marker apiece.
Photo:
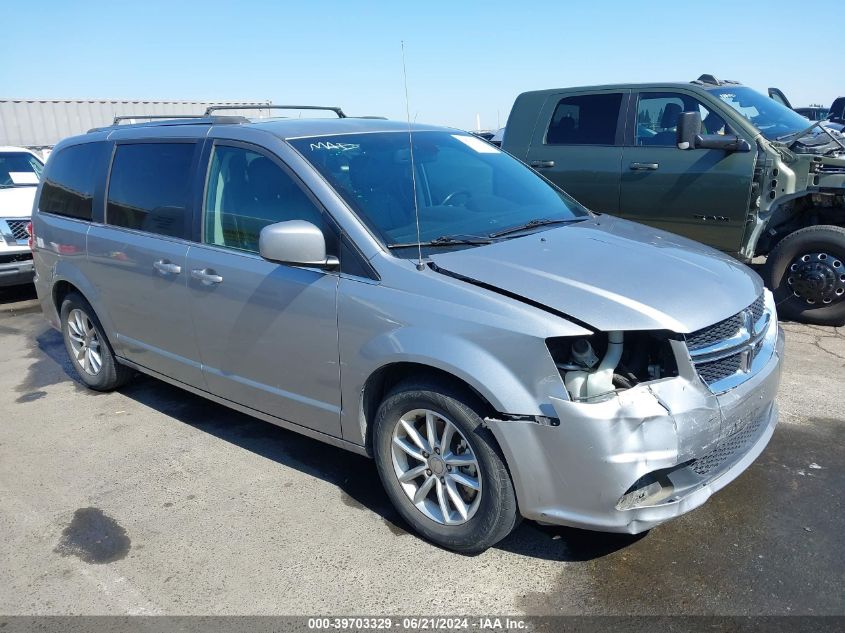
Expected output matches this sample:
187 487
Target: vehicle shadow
24 295
355 476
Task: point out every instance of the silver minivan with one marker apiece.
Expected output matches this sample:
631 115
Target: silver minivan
413 294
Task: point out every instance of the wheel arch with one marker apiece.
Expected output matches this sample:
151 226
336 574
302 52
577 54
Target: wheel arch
385 378
67 280
791 214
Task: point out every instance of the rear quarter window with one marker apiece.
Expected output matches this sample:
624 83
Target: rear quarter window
71 178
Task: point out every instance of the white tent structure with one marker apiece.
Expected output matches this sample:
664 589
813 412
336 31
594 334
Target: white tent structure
41 123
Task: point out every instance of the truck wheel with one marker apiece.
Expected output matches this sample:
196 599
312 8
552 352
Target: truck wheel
88 348
442 469
806 273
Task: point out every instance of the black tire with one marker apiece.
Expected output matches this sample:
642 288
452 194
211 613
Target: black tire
828 240
110 374
496 514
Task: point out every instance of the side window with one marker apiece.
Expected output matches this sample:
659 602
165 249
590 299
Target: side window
150 188
246 191
657 117
585 120
71 178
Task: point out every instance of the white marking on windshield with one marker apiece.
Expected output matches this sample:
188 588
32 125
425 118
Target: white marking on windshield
23 177
482 147
333 146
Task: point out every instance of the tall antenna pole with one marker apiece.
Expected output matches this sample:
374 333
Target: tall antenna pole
420 265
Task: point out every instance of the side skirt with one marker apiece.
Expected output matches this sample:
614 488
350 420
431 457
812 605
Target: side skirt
296 428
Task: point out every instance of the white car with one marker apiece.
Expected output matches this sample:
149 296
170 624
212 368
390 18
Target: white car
20 171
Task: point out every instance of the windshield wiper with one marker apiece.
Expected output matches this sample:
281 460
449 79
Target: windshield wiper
445 240
799 135
535 223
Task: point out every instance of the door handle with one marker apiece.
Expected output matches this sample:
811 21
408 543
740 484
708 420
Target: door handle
166 267
542 164
644 166
206 276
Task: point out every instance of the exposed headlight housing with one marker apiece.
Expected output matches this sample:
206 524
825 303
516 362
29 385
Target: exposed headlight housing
594 366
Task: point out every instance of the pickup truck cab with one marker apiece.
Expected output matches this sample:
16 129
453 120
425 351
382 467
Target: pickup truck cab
712 160
20 170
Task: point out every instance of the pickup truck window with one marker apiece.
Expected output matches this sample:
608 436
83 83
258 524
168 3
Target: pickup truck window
774 120
657 117
585 120
19 169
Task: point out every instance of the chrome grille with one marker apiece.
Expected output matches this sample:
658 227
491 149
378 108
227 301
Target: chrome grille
716 370
738 442
18 229
757 308
726 348
714 333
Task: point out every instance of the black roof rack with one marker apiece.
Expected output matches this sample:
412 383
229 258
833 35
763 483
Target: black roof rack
177 119
334 109
710 80
151 117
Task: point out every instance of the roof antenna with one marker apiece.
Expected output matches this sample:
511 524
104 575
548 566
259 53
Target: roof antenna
420 265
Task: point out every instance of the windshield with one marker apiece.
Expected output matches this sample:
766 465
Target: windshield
19 169
767 115
466 188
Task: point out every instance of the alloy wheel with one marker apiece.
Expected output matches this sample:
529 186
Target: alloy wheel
436 467
84 341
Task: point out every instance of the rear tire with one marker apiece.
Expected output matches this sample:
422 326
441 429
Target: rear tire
463 472
88 347
806 273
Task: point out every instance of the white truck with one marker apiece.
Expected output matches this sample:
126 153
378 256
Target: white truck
20 171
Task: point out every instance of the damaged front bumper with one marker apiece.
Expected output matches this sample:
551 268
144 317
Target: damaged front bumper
644 456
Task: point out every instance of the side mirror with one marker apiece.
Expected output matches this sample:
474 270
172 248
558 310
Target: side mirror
726 142
688 129
689 136
295 242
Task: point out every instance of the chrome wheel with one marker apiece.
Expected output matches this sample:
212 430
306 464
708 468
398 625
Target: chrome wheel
84 342
436 467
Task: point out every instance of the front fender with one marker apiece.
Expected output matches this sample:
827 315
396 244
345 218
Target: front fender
522 388
492 343
462 358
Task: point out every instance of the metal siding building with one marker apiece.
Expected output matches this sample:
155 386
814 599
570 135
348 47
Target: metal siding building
41 123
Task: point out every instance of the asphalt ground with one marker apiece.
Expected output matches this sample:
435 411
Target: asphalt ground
155 501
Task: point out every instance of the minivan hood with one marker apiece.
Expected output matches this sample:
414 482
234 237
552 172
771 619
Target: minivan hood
613 275
16 202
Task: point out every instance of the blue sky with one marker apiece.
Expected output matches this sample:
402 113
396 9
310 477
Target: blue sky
463 58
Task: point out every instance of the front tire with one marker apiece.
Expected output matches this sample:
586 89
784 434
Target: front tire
806 273
88 347
442 469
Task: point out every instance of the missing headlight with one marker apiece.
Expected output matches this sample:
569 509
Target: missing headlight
607 362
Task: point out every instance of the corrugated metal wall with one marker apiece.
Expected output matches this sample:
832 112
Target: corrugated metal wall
43 123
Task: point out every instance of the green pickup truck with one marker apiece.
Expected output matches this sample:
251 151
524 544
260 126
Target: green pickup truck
712 160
